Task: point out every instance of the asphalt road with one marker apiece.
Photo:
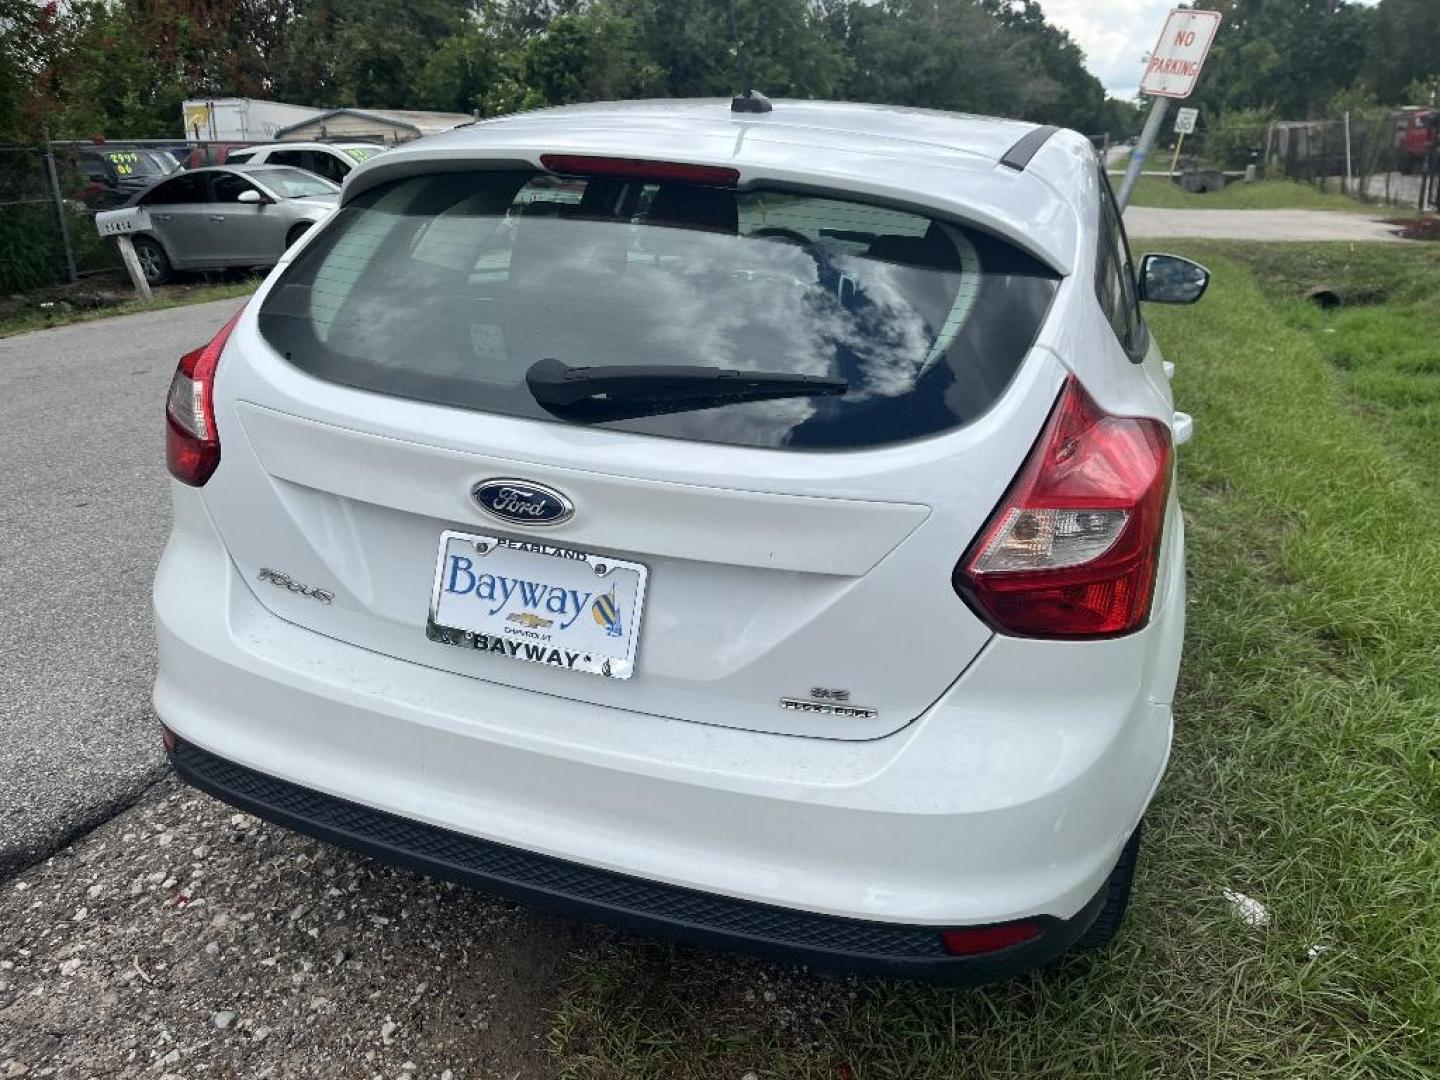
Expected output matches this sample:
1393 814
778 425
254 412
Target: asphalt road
83 516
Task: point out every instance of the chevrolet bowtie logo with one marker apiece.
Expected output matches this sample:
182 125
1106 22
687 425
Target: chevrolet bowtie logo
528 620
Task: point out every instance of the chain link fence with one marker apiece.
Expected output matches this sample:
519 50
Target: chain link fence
1378 156
49 195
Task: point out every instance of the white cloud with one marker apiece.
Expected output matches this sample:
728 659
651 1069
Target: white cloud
1114 34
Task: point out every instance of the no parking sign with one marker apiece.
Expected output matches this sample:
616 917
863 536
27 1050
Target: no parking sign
1178 56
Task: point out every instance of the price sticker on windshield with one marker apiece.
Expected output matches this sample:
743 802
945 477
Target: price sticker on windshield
124 161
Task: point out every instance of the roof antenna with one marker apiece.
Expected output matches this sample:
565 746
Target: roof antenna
748 101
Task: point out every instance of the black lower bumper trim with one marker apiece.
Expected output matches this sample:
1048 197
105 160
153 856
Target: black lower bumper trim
631 903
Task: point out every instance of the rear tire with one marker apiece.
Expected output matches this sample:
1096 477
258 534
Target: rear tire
154 263
1117 898
295 234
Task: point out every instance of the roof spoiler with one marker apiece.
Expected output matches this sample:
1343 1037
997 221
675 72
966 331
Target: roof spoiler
1019 155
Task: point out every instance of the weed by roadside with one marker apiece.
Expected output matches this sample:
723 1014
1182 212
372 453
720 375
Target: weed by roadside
1260 195
61 306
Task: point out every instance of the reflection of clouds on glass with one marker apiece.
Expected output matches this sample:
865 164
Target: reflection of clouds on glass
751 424
448 288
895 338
689 297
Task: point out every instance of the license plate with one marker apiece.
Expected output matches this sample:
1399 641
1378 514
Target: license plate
529 601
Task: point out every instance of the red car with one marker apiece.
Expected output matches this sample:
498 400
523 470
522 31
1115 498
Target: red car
210 154
1418 132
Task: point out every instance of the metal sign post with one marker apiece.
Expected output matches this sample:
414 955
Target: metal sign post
1142 149
1184 125
121 224
1171 72
132 267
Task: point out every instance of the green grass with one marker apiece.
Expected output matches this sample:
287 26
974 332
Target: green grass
1306 773
170 296
1382 339
1261 195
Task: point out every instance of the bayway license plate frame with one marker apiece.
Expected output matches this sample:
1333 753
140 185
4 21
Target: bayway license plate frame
534 634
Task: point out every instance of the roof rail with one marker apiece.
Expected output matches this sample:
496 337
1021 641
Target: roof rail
1019 155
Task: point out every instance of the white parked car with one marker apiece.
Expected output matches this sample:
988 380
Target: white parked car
757 529
332 160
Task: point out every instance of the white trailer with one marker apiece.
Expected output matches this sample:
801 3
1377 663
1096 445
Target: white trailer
238 120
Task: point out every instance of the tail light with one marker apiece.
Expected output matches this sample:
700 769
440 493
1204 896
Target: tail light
1073 548
978 940
192 445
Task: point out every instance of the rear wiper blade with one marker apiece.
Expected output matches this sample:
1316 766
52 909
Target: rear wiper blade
625 391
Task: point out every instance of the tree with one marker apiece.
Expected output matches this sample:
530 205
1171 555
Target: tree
22 58
1289 55
690 42
1058 89
466 72
988 56
1404 47
121 67
364 52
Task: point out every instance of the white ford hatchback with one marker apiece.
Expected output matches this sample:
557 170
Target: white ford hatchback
756 528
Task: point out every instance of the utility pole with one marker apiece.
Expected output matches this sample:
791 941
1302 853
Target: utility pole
1348 187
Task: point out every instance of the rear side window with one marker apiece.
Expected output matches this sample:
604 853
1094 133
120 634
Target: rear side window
191 188
450 288
330 166
227 187
1115 277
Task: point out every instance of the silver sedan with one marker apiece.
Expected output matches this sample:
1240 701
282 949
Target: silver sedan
221 217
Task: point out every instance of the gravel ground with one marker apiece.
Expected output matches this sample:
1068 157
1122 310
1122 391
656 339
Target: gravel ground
1147 221
182 939
83 513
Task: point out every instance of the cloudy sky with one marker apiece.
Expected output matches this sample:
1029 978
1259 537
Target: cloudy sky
1115 34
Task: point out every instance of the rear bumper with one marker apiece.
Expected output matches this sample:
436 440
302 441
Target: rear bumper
820 941
1010 799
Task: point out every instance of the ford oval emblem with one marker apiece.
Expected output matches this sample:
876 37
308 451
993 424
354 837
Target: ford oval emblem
522 503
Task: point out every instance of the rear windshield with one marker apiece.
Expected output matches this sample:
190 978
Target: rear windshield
291 183
450 288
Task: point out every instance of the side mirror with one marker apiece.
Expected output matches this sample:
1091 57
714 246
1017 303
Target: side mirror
1169 279
250 195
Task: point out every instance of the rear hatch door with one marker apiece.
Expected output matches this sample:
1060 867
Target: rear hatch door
779 563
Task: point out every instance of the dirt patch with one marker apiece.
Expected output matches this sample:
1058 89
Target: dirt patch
100 292
184 938
1424 228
